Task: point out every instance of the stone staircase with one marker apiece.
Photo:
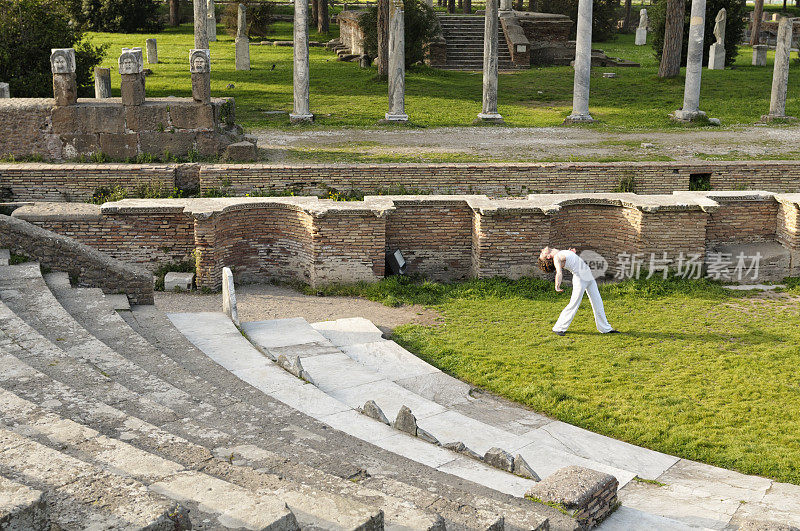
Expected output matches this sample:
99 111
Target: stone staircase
464 36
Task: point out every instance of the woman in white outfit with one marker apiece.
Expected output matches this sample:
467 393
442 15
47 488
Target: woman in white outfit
551 259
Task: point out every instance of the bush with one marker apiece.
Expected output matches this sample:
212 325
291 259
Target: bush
118 16
605 16
28 30
733 32
259 18
421 27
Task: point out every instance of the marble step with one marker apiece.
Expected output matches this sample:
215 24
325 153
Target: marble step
230 505
322 504
21 508
216 335
80 495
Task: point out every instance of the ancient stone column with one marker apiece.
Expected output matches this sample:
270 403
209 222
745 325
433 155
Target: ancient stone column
65 87
716 53
5 91
760 55
694 65
211 23
200 23
780 72
302 103
641 31
242 41
152 51
200 68
583 65
490 45
397 63
506 5
102 82
131 68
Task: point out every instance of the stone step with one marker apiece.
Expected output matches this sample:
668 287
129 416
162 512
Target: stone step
21 507
256 369
80 495
230 505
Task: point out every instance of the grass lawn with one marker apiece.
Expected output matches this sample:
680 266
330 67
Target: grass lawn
699 372
345 95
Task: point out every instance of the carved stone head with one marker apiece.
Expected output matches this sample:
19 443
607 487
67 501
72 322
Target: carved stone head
62 60
199 61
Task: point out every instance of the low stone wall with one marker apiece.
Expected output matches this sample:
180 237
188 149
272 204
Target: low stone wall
89 266
442 237
350 33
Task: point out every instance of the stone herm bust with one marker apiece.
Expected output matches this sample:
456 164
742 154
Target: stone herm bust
62 60
199 61
128 63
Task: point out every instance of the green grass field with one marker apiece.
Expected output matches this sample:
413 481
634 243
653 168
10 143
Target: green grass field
699 371
345 95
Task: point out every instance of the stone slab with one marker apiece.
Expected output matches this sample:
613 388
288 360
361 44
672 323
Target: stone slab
332 372
359 426
349 331
389 359
483 474
439 387
452 426
267 377
118 302
310 400
175 281
21 508
626 518
390 397
416 450
281 332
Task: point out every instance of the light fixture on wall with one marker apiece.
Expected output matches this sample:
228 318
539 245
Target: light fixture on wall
395 263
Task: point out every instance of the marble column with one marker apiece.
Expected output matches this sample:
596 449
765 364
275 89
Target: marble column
152 51
490 45
302 105
242 41
211 23
583 65
694 64
780 72
102 82
397 63
200 23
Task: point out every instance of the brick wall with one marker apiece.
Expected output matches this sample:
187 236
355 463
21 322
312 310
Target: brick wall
743 221
508 243
788 229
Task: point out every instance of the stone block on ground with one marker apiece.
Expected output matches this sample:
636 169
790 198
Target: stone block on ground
178 281
499 458
372 410
241 151
587 495
21 507
716 57
523 469
760 55
406 421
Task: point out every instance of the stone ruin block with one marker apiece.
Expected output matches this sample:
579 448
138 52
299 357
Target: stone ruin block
173 142
150 116
174 281
587 495
89 118
120 146
191 115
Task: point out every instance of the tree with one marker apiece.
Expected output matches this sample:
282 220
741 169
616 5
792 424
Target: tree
605 15
28 30
673 39
118 16
174 12
382 49
421 28
756 26
314 12
628 20
323 17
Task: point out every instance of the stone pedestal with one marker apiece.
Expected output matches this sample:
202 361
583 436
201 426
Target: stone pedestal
302 102
102 82
200 22
716 57
397 63
65 89
201 87
5 91
760 55
780 72
583 65
211 23
133 90
490 46
152 51
641 36
694 65
242 41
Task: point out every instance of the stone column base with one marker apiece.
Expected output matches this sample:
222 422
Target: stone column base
687 116
394 118
641 37
491 118
716 57
301 118
777 118
579 119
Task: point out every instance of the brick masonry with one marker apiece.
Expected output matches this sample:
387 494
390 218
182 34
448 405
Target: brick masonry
442 237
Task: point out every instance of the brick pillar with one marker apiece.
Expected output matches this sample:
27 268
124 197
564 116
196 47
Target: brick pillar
208 267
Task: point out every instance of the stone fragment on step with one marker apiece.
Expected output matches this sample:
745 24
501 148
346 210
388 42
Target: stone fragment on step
427 437
406 421
499 459
293 365
175 281
462 449
523 469
372 410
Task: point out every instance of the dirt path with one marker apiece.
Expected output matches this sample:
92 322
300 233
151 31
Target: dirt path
551 143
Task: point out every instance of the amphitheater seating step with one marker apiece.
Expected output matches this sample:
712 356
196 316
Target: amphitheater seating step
464 36
21 508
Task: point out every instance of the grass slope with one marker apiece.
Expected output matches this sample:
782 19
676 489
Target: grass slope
699 372
345 95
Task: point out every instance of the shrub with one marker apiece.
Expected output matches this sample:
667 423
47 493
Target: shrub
118 16
605 15
421 27
733 32
28 30
259 18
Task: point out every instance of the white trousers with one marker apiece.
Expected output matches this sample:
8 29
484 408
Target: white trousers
580 285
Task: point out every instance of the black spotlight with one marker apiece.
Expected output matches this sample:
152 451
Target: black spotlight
395 263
